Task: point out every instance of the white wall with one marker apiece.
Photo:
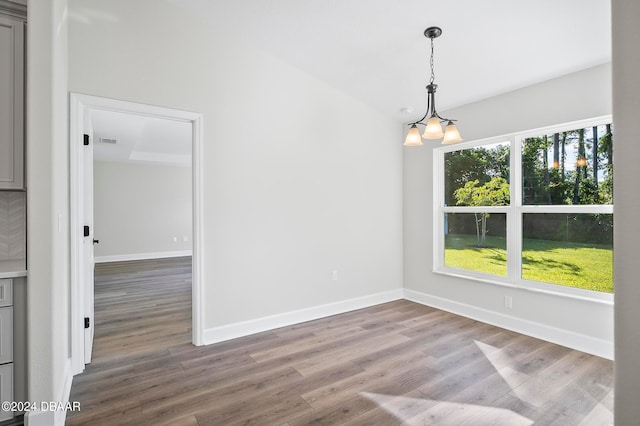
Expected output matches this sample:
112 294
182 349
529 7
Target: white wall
47 171
48 208
298 178
139 209
626 110
588 325
236 89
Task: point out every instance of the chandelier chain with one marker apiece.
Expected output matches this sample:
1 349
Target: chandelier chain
433 74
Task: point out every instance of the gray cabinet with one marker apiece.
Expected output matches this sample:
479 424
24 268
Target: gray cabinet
6 346
12 148
6 388
12 31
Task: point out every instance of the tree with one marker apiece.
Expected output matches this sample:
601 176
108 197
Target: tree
471 164
606 146
564 155
595 156
556 151
540 179
533 170
493 193
545 164
581 167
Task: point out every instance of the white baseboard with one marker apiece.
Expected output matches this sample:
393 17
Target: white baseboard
580 342
53 417
142 256
245 328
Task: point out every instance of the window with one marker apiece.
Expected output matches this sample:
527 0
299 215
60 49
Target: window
533 209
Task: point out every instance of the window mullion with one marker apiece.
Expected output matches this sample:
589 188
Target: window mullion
579 208
438 212
514 218
480 209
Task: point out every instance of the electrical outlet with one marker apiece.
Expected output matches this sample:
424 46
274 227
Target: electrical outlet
508 302
334 275
175 239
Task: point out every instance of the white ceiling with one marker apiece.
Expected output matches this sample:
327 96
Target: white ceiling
375 51
140 139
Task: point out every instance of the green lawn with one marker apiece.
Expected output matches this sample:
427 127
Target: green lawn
460 252
585 266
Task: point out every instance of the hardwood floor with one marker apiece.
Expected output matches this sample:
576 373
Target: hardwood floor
391 364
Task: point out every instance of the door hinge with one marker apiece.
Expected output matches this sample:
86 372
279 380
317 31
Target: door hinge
85 140
87 322
86 231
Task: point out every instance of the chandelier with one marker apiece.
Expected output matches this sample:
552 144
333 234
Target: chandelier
433 126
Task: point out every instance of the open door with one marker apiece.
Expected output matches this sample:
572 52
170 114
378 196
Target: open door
87 257
82 262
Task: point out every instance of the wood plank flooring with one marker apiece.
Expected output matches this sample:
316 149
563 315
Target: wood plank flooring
391 364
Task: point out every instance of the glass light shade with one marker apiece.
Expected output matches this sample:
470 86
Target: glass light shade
413 137
433 129
451 134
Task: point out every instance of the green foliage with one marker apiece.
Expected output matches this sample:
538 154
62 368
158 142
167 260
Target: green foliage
559 188
481 164
493 193
606 187
574 227
588 192
557 169
587 180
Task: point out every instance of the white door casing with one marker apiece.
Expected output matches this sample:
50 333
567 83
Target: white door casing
88 263
82 261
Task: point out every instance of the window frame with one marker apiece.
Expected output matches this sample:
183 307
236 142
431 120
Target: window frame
514 213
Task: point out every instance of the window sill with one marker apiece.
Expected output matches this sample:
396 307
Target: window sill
531 286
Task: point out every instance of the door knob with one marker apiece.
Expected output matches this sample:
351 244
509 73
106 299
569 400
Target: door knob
96 241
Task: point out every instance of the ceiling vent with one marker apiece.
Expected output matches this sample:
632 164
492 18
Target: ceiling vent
107 140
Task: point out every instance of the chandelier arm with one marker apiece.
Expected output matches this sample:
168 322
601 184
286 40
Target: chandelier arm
442 118
431 91
425 114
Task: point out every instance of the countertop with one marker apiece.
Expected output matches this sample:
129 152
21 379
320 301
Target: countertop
13 268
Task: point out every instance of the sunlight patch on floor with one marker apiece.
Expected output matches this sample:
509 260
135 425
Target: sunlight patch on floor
503 363
445 412
529 389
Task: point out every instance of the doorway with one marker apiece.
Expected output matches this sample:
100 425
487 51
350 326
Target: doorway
81 192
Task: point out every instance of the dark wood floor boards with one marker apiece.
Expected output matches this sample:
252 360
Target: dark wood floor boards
391 364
